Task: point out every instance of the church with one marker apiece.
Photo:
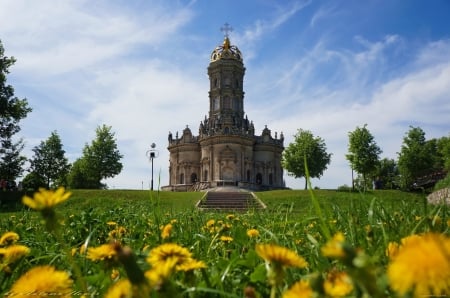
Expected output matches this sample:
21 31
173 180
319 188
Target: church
226 150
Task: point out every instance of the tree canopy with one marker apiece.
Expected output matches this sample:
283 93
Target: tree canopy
419 157
12 110
363 152
49 161
309 148
100 160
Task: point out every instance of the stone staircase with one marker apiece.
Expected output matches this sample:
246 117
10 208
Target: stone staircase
229 201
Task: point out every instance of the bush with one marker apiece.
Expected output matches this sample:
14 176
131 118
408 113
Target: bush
443 183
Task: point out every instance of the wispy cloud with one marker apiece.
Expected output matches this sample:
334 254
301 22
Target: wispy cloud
84 63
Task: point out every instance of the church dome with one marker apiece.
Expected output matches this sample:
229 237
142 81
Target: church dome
226 51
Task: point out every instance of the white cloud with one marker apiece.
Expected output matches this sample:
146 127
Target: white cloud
83 63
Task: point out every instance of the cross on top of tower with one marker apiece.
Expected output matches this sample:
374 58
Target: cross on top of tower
226 29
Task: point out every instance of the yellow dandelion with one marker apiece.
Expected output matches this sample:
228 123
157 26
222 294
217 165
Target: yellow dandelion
422 266
121 289
338 284
280 255
166 230
42 281
334 248
117 233
173 221
8 238
168 251
161 272
102 252
11 254
230 216
190 265
115 274
252 233
46 199
226 239
392 250
111 223
210 223
299 289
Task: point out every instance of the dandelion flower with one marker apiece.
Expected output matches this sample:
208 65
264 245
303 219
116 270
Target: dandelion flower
392 250
42 281
190 265
230 216
226 239
117 233
280 255
334 248
299 289
166 230
12 253
157 275
168 251
8 238
422 266
102 252
210 223
114 274
252 233
121 289
338 284
46 199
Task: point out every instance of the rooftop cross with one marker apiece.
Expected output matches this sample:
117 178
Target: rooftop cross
226 29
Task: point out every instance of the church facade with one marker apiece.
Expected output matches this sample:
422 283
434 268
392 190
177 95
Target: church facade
226 150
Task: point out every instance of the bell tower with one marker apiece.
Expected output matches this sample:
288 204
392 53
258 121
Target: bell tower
226 94
226 150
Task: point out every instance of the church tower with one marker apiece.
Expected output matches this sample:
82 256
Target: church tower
226 151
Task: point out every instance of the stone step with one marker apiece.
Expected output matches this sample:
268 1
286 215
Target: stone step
229 201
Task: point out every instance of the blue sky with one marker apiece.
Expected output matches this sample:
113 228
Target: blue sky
140 67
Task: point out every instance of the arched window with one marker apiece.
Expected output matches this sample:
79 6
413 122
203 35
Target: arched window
270 179
248 175
258 178
193 177
181 178
205 175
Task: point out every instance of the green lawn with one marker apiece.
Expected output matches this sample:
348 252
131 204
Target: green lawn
300 220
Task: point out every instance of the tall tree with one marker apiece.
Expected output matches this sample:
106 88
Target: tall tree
387 174
417 157
363 152
100 160
315 151
12 110
444 149
49 161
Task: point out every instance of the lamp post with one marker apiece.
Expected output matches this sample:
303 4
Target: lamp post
152 154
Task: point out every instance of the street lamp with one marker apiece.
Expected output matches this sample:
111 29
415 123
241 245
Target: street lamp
151 154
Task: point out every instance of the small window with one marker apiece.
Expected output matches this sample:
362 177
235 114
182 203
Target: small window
181 178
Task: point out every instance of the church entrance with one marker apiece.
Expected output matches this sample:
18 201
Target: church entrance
227 174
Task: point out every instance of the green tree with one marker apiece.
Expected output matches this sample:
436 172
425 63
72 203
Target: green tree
100 160
315 151
79 176
387 174
416 158
49 161
12 110
32 182
443 145
422 161
363 152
